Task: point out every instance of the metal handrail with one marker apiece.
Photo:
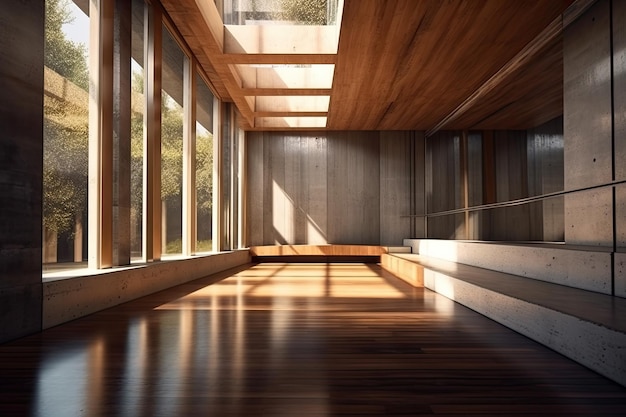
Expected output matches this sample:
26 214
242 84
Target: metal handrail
518 202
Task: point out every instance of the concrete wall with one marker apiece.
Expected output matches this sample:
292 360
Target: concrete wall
588 155
21 159
545 175
594 60
501 166
333 187
619 121
444 188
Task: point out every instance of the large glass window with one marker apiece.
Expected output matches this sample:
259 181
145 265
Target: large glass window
172 115
70 90
137 129
204 166
66 133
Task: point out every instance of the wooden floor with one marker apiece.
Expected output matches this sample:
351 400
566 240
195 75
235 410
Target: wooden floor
294 340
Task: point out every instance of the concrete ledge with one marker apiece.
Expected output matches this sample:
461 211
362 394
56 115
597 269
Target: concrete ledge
69 299
585 326
587 268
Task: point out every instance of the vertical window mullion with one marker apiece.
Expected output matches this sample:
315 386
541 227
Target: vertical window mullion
217 175
189 159
101 135
152 136
122 134
241 148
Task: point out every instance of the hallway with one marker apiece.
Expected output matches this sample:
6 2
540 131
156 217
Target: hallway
294 340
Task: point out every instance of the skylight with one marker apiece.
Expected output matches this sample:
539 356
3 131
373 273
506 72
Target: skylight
280 55
282 12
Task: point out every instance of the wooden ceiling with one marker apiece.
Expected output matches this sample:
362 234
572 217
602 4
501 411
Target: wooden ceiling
414 64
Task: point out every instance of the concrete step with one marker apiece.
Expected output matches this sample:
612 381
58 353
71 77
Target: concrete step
585 326
583 267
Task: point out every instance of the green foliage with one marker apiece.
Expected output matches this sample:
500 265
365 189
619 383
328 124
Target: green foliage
308 12
304 12
65 171
204 246
65 57
66 133
204 172
171 148
176 246
66 124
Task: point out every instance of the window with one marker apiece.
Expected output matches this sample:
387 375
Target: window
204 165
137 129
66 134
172 116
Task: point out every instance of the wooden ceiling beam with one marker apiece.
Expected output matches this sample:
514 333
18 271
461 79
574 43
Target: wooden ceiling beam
201 26
286 91
289 129
277 59
290 114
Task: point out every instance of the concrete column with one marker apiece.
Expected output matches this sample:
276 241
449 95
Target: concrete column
588 156
121 132
21 160
619 115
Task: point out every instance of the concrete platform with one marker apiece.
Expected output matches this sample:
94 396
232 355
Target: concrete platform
583 267
585 326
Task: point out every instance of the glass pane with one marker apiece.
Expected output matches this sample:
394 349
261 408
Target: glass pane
260 12
204 166
137 130
66 135
172 145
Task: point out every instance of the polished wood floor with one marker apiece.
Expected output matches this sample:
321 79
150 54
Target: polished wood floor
294 340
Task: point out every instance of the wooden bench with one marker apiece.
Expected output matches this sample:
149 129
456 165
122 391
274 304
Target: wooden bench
317 253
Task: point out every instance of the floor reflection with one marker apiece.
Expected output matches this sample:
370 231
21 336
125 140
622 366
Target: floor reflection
284 340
